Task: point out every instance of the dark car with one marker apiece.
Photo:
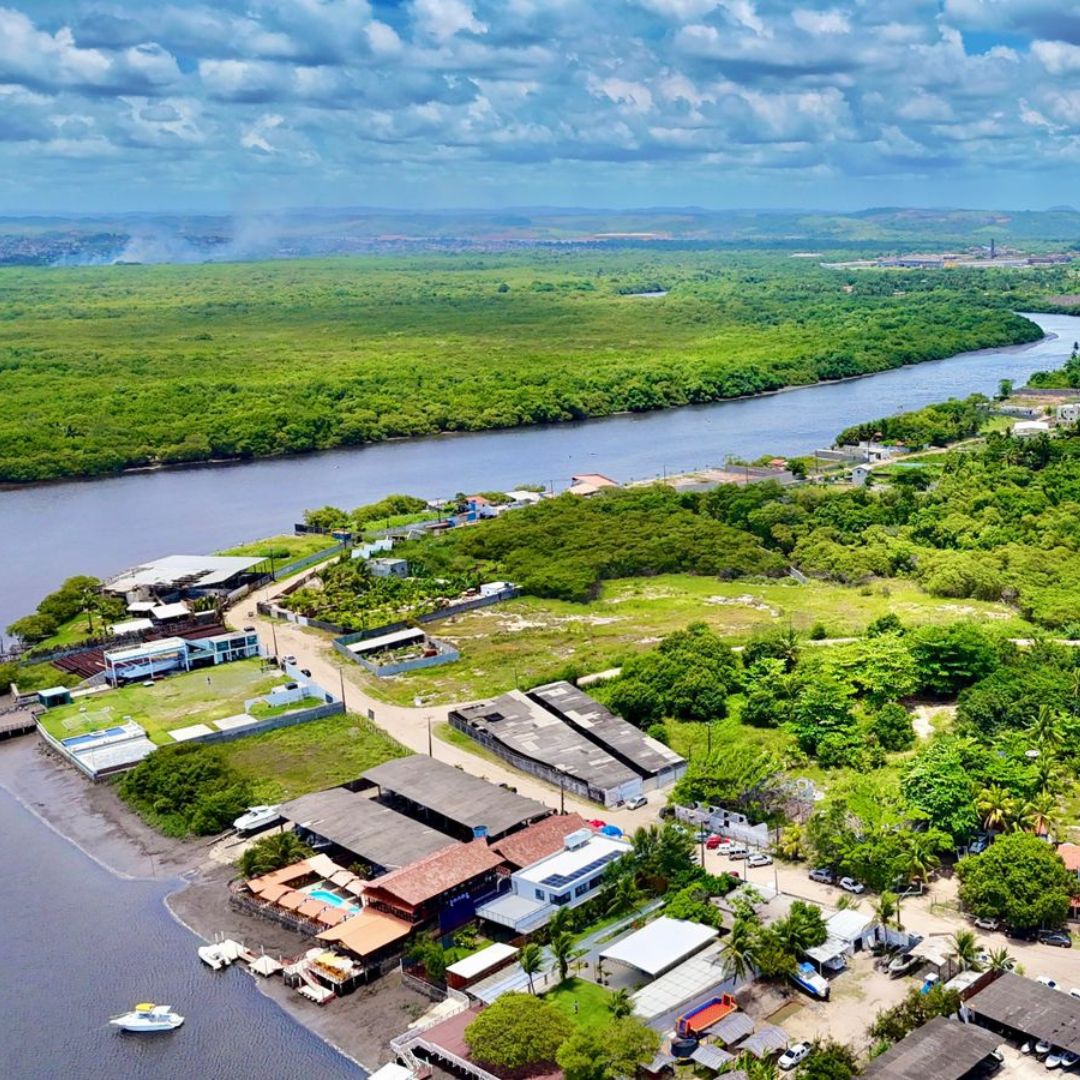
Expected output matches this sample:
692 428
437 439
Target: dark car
1056 937
978 845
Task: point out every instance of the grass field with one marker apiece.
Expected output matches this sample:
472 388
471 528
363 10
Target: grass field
198 697
591 1000
284 548
307 757
527 641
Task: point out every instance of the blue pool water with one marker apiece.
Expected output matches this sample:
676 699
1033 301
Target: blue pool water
82 740
332 899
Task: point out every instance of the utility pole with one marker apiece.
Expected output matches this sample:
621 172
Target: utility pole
341 677
273 631
430 744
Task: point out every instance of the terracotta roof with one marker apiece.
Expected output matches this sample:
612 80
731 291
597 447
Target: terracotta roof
367 932
1070 854
291 900
273 893
538 841
319 864
435 874
596 479
310 909
331 916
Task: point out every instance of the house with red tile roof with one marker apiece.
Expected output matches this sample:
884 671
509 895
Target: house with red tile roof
538 841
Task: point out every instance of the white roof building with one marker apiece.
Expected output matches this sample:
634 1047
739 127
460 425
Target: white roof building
692 980
661 945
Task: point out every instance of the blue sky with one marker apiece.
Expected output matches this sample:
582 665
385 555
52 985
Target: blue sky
259 104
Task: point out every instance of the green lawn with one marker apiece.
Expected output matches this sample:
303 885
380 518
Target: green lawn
198 697
592 1002
307 757
528 641
284 548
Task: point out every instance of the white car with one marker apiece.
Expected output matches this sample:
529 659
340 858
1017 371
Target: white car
794 1054
1054 1058
759 858
737 851
852 886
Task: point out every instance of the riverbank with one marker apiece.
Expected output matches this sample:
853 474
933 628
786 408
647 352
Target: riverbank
96 821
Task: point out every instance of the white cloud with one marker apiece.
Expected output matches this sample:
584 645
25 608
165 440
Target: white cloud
442 19
820 23
1058 57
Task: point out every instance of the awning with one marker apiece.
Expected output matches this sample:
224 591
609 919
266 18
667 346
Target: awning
830 950
732 1028
769 1040
712 1057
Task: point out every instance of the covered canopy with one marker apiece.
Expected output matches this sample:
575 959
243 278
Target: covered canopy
661 945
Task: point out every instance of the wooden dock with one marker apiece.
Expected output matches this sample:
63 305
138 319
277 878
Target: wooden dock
18 722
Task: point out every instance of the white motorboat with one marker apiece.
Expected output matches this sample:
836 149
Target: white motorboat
257 817
149 1018
221 954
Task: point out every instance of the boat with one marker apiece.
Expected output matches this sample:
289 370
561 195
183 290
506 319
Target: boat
149 1018
257 817
220 954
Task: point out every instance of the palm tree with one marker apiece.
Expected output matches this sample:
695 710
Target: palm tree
1001 960
965 950
272 853
1046 728
887 909
531 960
920 858
1040 815
996 808
846 902
622 895
790 845
562 948
619 1004
738 951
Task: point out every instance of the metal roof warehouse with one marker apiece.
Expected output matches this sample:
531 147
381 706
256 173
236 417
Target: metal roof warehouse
1024 1007
661 945
940 1050
452 799
368 831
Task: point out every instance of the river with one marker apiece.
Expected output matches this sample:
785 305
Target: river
81 944
99 527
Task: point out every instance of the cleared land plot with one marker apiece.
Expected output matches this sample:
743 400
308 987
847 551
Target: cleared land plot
284 548
198 697
308 757
528 641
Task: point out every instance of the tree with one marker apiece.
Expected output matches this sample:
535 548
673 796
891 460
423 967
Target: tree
517 1031
965 950
887 909
33 628
996 807
830 1060
272 853
937 783
917 1008
822 707
610 1052
1005 389
791 843
892 726
1040 815
619 1004
531 959
1001 960
738 951
561 944
802 929
1019 879
622 895
950 656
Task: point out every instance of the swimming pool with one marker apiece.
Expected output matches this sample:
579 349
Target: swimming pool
333 900
94 736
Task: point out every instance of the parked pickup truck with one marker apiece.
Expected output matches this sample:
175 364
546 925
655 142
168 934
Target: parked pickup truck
806 978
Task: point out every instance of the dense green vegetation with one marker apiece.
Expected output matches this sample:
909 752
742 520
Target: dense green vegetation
935 425
79 598
107 368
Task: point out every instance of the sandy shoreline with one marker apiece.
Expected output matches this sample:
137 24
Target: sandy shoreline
92 817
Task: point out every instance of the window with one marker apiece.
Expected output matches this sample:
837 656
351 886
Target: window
582 889
539 894
562 898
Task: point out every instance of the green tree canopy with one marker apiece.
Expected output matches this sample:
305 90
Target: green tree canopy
610 1052
271 853
517 1031
939 785
951 656
1019 879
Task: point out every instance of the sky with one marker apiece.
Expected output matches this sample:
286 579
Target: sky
263 104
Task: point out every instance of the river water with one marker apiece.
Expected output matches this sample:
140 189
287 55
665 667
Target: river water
102 526
81 944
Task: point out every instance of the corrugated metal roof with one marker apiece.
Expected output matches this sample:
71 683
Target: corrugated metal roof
1032 1008
712 1057
765 1041
940 1050
660 945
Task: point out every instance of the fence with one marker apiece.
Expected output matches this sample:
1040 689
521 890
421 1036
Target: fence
307 560
445 654
301 716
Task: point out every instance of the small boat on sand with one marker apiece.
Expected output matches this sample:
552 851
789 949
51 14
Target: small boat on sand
149 1018
257 817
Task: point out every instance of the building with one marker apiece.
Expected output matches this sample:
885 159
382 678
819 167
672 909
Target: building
657 765
1068 413
171 654
860 475
351 829
398 568
1024 1010
537 741
186 575
538 841
371 937
848 932
480 965
1028 429
692 983
940 1050
451 800
660 946
391 653
569 877
444 887
590 483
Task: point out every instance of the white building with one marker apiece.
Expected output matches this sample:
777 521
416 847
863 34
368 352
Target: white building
1069 413
565 879
1026 429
